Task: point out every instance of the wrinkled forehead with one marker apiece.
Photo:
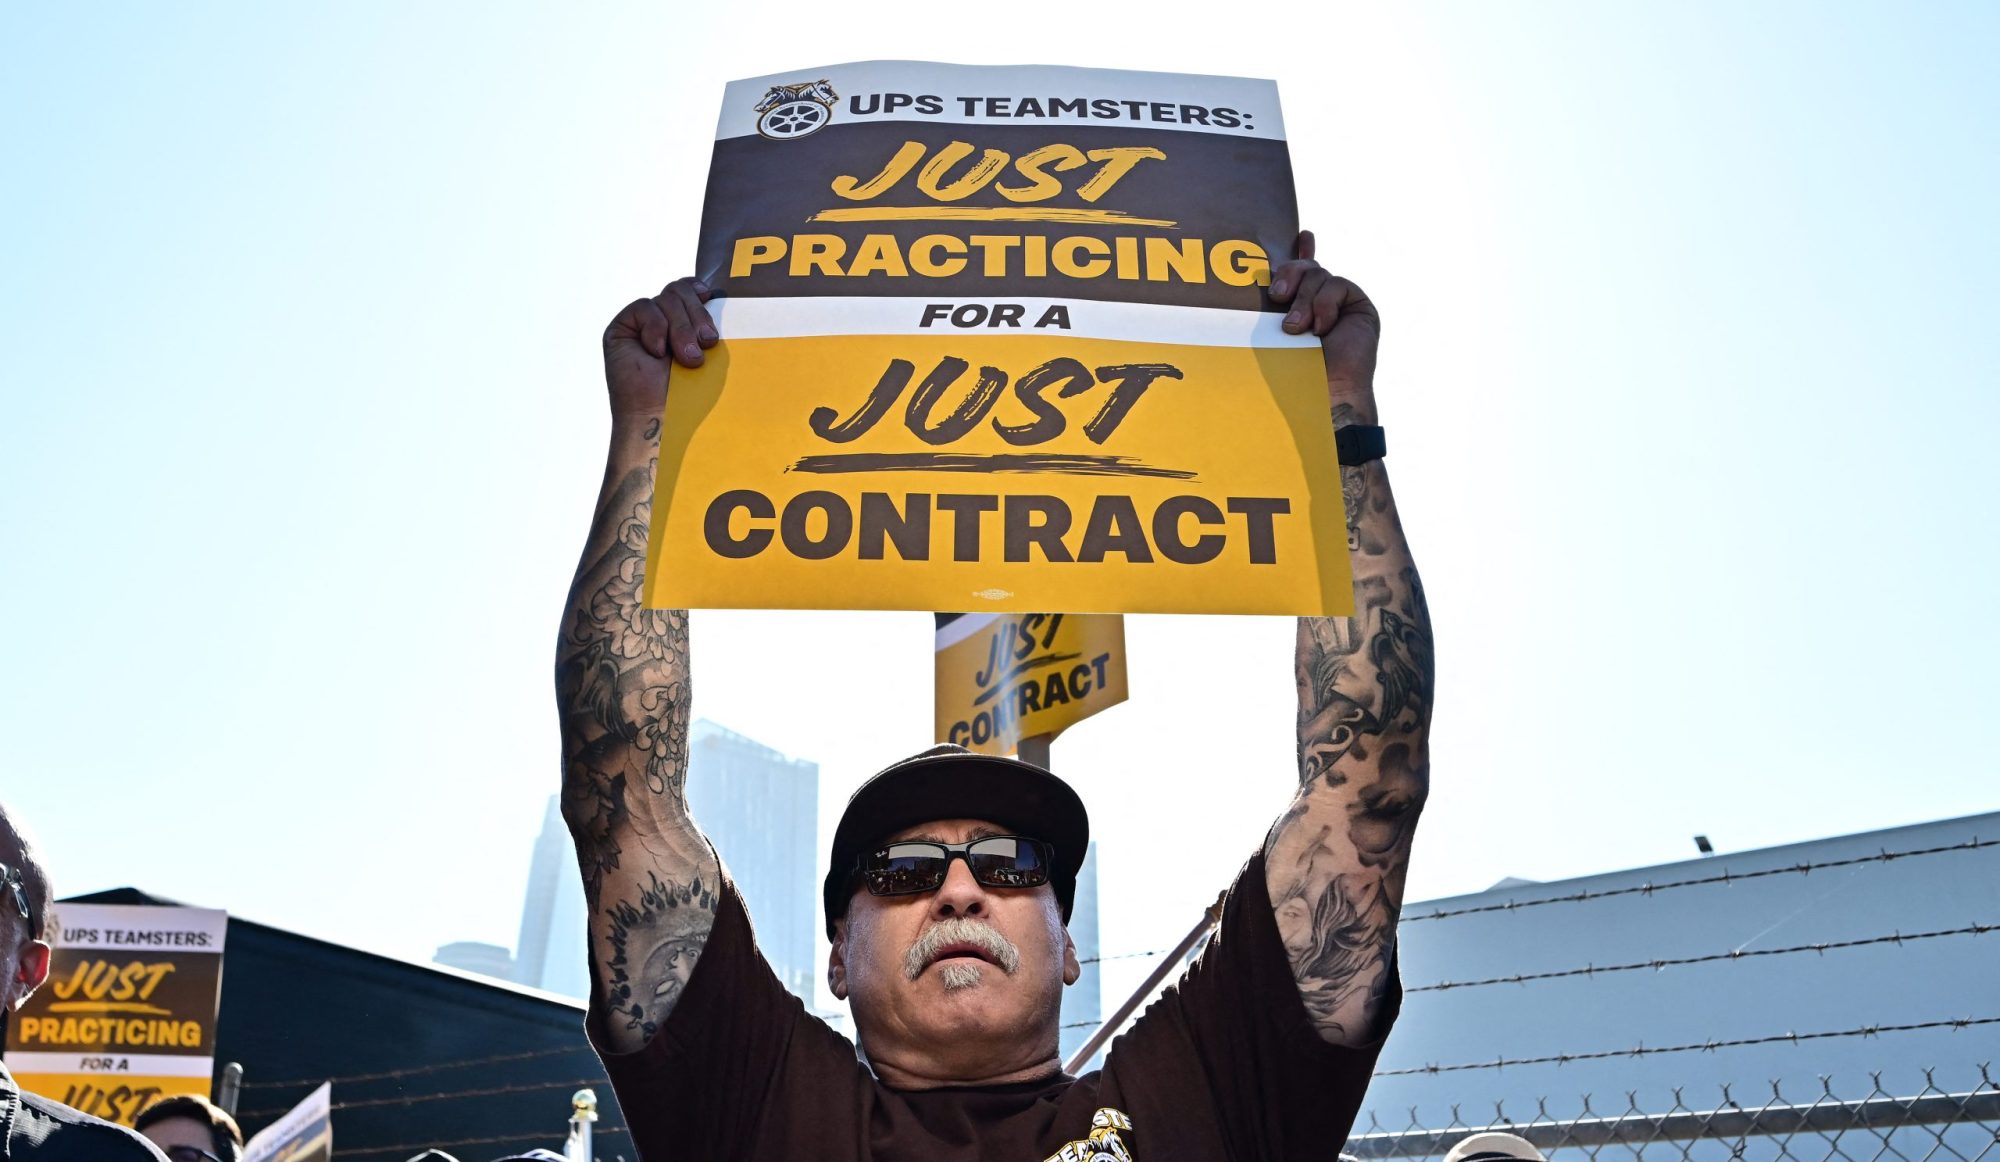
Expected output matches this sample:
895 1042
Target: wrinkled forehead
949 831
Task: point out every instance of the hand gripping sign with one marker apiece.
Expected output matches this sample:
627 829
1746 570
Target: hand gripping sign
997 339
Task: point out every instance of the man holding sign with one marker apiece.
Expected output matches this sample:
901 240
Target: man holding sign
952 873
947 928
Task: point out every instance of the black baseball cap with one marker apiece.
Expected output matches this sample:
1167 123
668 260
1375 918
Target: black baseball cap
951 782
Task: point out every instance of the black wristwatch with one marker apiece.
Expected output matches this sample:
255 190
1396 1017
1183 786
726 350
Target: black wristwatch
1359 443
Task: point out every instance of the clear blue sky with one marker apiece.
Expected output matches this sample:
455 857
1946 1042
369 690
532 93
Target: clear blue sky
1690 379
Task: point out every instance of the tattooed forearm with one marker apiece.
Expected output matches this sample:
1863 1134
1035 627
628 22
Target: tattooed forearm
654 939
1335 864
1332 933
622 693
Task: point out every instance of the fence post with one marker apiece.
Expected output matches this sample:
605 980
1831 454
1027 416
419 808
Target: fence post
230 1088
583 1111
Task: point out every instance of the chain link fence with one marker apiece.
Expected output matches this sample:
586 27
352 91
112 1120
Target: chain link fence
1863 1122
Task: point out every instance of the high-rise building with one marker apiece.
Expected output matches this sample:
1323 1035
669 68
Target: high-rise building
472 956
1083 1002
760 808
550 954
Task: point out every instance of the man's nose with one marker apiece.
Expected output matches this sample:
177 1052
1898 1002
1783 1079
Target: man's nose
960 894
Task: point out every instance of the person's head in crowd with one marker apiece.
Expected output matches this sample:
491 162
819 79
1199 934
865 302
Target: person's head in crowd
24 917
190 1128
1494 1146
947 905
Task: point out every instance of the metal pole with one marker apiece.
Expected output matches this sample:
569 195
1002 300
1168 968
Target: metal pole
230 1088
583 1111
1035 750
1109 1028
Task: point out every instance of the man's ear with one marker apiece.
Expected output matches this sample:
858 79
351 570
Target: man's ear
836 961
32 970
1072 968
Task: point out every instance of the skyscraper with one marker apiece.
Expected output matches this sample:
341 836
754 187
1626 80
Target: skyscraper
762 811
760 808
550 954
472 956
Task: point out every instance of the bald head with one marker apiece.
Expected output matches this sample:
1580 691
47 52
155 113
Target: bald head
19 854
24 950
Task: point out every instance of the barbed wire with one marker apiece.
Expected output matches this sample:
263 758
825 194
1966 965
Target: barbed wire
1703 1046
447 1095
1123 956
525 1136
417 1070
1823 946
1726 877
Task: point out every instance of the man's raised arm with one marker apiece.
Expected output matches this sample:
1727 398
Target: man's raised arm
1335 862
649 877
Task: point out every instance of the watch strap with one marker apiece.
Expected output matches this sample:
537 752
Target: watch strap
1359 443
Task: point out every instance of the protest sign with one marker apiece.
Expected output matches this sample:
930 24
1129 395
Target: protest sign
998 339
128 1013
1005 677
304 1134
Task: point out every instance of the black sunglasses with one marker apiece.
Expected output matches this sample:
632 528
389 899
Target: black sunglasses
907 866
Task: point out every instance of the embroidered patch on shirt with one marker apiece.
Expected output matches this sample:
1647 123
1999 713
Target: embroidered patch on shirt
1104 1143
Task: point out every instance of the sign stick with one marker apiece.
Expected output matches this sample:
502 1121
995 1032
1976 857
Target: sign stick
1105 1031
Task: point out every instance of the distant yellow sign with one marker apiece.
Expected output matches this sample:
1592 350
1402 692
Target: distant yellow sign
1005 677
128 1013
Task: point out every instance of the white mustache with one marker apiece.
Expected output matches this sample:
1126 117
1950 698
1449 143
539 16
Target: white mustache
961 930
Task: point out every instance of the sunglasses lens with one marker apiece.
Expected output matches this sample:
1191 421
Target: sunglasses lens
1006 861
902 868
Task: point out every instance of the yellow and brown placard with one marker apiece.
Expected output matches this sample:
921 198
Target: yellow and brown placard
1005 677
128 1013
998 339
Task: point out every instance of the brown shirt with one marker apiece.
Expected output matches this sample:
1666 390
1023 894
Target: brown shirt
1224 1065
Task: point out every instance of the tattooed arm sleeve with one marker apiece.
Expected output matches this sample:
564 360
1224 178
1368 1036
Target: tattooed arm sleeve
1335 862
649 877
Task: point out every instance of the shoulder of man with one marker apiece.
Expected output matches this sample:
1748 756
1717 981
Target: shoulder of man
54 1132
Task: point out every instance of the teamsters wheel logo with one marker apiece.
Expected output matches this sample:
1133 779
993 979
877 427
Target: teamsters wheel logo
789 111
